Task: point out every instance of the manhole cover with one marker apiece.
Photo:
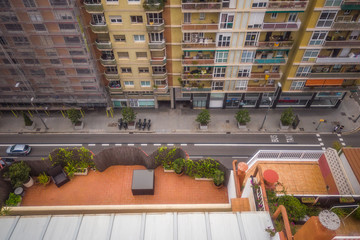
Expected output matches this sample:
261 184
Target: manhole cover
38 129
302 129
342 113
227 121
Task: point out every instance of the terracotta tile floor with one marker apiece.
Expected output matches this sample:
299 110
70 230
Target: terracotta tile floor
113 186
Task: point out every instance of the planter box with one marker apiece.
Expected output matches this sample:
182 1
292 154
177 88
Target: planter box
308 199
241 126
79 126
284 127
80 173
203 127
204 179
32 127
131 126
169 170
347 200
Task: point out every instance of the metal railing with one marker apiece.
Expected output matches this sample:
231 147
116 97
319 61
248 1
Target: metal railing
287 4
199 27
282 25
192 61
202 6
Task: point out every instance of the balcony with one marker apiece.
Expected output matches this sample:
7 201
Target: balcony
336 75
157 45
159 75
158 61
195 61
151 5
339 60
197 76
195 89
287 5
115 86
188 6
155 27
201 43
200 27
279 26
346 25
99 27
343 43
261 89
282 44
107 61
350 5
93 6
161 89
103 45
270 60
112 76
262 75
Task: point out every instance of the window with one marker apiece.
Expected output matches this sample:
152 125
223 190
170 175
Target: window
3 41
21 41
145 83
139 38
159 69
310 55
50 53
72 40
136 19
46 40
217 85
247 56
274 15
29 3
76 53
143 69
13 27
98 19
318 38
241 85
251 38
224 40
219 72
259 4
202 16
160 82
115 19
63 15
133 1
66 26
347 12
244 71
129 83
39 27
227 20
59 72
156 37
221 57
186 37
5 4
126 70
79 60
292 17
112 1
353 36
31 61
141 55
82 70
123 55
37 72
35 16
303 71
332 3
8 17
154 18
297 85
119 38
54 61
58 2
111 70
187 17
326 18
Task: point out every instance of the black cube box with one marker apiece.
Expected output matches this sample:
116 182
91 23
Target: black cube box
143 182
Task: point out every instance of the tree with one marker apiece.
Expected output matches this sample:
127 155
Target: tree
243 116
27 120
128 115
287 117
74 115
204 117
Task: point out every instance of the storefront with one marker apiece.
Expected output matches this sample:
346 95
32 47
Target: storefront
292 99
250 99
199 100
327 99
233 100
216 100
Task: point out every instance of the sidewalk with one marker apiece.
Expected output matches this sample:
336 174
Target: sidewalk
181 120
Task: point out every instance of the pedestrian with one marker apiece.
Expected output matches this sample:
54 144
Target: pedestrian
341 128
336 128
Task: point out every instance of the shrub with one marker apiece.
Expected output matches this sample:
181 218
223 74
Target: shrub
357 214
19 173
128 115
70 169
340 212
165 157
205 168
13 200
178 165
219 177
243 116
287 117
74 115
294 208
204 117
27 120
337 146
43 179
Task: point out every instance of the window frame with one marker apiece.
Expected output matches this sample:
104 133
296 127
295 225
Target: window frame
126 70
139 35
148 83
138 19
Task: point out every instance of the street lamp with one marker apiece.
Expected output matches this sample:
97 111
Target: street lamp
37 113
262 125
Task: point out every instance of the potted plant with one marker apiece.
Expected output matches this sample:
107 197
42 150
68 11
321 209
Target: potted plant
218 178
242 117
29 124
75 116
129 117
287 117
19 174
179 166
81 168
203 118
43 179
70 169
13 200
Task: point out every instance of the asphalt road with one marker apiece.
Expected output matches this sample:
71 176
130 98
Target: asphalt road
224 147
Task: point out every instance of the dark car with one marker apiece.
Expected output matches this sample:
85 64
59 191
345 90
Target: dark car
6 162
18 149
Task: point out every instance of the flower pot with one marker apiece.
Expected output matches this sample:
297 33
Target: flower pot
81 172
220 186
131 126
29 183
284 127
203 127
241 126
31 127
79 125
181 173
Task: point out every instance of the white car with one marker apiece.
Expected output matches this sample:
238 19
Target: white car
18 149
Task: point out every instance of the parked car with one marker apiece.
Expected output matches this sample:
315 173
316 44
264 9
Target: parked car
6 162
18 149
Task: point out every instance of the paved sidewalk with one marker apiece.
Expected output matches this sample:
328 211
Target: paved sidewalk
182 120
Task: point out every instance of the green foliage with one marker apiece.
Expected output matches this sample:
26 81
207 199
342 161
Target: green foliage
74 115
189 167
243 116
128 114
337 146
70 169
178 165
27 120
43 179
313 211
341 212
356 214
4 211
287 117
18 174
294 208
204 168
204 117
165 157
13 200
219 177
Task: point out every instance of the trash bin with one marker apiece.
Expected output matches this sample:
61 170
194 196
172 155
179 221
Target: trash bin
19 191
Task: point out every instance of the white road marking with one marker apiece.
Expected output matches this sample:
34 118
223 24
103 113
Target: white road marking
341 139
318 135
251 144
157 144
183 144
289 138
170 144
131 144
91 144
339 135
143 144
105 144
118 144
47 145
319 139
274 138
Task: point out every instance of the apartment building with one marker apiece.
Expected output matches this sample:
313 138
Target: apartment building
45 61
326 65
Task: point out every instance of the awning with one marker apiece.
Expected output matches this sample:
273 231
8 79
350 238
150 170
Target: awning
324 82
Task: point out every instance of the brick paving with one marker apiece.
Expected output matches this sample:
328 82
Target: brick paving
113 187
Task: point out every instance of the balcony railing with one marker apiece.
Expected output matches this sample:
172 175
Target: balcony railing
107 61
338 60
282 25
197 76
350 5
192 61
204 43
155 27
200 27
159 75
273 44
202 6
112 75
161 89
93 6
153 6
346 25
157 45
103 45
269 60
335 75
99 27
262 75
158 61
344 43
195 89
287 5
